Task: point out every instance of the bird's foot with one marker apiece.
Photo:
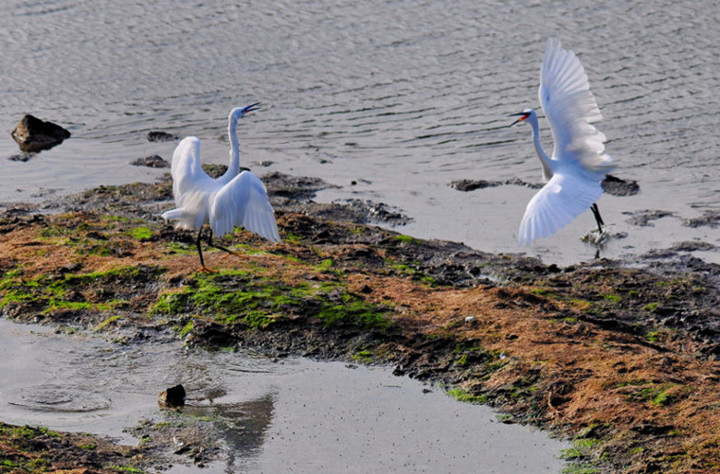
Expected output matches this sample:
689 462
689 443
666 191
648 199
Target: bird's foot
596 238
205 269
228 251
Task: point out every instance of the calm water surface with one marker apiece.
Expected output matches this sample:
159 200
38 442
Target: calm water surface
290 416
401 97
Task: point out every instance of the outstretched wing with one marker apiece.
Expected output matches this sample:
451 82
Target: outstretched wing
244 202
570 108
560 201
186 170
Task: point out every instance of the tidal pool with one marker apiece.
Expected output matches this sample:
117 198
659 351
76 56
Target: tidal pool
287 415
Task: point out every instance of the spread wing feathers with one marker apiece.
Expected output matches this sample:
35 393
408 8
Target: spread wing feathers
244 202
570 107
560 201
186 170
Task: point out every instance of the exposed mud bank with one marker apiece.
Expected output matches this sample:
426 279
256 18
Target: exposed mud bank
621 356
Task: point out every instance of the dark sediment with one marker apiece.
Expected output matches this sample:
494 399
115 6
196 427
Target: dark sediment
152 161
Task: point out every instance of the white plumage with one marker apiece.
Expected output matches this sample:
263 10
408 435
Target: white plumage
226 202
578 164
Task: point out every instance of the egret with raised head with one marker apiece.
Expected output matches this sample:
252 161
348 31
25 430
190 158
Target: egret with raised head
233 199
578 165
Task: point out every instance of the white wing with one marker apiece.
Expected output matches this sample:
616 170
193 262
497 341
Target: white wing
191 186
561 200
244 202
570 107
186 170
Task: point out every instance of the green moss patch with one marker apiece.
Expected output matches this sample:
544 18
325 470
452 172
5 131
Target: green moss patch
243 297
97 291
29 449
464 396
141 233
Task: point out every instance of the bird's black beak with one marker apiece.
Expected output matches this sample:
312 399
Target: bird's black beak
251 108
522 115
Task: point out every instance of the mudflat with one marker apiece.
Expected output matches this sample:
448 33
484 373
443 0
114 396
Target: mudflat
621 357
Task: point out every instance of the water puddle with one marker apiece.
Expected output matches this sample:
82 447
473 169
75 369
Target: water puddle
292 415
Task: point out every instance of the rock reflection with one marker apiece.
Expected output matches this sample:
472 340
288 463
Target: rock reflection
232 432
243 427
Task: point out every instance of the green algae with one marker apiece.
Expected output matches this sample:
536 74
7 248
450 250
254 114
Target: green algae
21 438
70 291
406 239
142 234
257 302
363 356
463 395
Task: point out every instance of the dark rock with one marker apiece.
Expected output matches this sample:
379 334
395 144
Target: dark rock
33 134
157 136
172 397
152 161
620 187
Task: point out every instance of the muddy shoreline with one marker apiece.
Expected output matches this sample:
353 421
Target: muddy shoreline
622 357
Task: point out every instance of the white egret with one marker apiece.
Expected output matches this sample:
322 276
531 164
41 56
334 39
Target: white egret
226 202
578 165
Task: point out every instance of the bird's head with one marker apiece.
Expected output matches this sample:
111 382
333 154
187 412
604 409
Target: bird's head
522 116
238 112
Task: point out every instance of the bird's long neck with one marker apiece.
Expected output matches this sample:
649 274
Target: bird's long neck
234 163
544 158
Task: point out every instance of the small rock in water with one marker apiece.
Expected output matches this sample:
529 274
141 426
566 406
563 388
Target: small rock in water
152 161
466 185
21 157
172 397
33 134
157 136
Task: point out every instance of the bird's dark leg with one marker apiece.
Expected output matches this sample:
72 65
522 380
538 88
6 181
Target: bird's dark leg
598 218
199 248
211 244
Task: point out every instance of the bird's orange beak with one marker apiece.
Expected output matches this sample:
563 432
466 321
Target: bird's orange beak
522 115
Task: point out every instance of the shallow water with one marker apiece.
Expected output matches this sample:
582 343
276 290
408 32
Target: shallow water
294 415
400 97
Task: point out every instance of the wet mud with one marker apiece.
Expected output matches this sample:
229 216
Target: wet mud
621 357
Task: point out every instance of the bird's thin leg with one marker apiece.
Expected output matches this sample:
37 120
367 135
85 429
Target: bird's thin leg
211 244
199 248
598 218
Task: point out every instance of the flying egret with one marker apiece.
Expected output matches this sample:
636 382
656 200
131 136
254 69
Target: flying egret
226 202
578 164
